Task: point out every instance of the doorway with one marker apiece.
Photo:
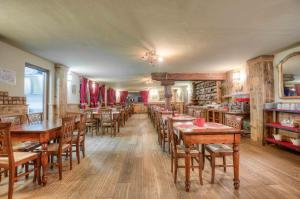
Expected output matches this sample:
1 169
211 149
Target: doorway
36 89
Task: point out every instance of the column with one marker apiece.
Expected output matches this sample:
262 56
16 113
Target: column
168 92
261 86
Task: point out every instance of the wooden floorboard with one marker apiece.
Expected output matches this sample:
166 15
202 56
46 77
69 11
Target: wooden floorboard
133 166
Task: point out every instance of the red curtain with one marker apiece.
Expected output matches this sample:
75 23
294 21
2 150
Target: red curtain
297 88
144 96
94 94
91 93
102 92
123 96
83 87
111 96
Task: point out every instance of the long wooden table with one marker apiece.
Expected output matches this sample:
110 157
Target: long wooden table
211 133
43 133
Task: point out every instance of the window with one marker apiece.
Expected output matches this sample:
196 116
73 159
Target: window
35 86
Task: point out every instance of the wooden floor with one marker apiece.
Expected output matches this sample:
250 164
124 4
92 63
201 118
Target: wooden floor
133 166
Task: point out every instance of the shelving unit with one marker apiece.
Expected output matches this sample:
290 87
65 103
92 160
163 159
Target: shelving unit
206 92
273 126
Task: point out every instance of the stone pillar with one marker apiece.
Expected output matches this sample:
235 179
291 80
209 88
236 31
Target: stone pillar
168 92
261 87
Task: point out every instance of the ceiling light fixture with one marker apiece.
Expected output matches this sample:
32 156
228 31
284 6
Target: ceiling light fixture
152 58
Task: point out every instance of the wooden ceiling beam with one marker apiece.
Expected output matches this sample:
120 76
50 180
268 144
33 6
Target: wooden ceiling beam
188 76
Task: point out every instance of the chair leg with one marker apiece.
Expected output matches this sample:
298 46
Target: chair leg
224 163
59 160
39 171
34 172
163 143
200 169
83 148
26 170
78 152
172 162
70 150
213 168
192 160
175 169
11 183
51 161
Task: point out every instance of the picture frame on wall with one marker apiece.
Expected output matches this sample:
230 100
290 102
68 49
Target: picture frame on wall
74 89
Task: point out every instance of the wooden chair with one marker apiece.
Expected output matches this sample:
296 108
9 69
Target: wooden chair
91 122
222 150
10 160
163 132
178 152
33 118
27 146
107 121
64 145
78 140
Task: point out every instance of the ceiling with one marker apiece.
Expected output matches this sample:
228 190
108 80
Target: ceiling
104 40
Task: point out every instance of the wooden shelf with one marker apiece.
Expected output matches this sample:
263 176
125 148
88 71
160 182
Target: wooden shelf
286 128
283 110
285 144
273 126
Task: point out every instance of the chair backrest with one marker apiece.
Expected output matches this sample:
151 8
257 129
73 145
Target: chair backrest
34 117
5 142
106 115
74 114
89 114
68 126
234 121
173 137
190 112
13 119
82 125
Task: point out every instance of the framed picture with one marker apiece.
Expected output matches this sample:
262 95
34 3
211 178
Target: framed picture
74 89
161 95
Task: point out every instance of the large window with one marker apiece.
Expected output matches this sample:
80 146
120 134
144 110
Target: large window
35 87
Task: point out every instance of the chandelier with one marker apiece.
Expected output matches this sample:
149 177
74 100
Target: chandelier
151 57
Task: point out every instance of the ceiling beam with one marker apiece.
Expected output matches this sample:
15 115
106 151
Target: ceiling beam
188 76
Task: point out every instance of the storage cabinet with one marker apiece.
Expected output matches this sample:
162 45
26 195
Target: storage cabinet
272 126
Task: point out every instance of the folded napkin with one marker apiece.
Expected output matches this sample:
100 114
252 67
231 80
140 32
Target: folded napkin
199 122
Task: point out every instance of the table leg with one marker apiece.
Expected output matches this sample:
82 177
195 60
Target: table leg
203 155
236 164
44 162
118 123
187 167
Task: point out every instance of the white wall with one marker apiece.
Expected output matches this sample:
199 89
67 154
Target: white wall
277 58
73 80
14 59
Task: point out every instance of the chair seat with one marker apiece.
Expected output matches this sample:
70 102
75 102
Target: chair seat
74 139
107 124
219 148
54 147
181 150
25 146
20 158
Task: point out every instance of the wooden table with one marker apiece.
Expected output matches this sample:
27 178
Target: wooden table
43 133
211 133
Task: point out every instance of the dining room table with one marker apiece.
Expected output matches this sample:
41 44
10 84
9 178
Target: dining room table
42 132
210 133
179 117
